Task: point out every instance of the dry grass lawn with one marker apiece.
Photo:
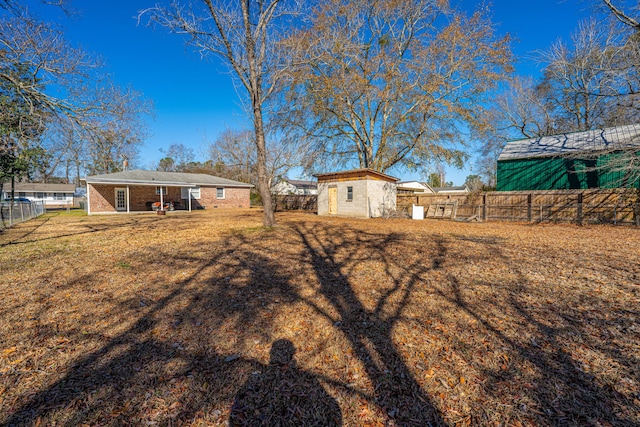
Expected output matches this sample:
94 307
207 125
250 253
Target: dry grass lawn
208 319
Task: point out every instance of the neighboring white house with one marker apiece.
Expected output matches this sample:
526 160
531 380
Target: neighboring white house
414 187
296 187
53 195
362 193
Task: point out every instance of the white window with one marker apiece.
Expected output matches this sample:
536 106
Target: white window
59 196
219 193
195 193
41 195
349 194
164 191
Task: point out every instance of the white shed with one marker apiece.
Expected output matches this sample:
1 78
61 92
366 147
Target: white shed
362 193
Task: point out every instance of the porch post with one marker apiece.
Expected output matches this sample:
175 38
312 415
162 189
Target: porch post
88 200
161 199
189 199
128 198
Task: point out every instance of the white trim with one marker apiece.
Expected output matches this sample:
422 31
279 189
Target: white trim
128 199
89 199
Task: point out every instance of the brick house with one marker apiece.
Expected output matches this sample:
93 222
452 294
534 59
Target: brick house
137 190
362 193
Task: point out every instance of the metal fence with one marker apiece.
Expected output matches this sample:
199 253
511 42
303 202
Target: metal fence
17 212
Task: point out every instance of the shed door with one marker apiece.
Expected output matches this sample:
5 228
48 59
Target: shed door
121 199
333 200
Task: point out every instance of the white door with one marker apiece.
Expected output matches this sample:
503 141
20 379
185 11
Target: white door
121 199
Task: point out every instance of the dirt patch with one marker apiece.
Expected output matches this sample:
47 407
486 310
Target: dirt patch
209 319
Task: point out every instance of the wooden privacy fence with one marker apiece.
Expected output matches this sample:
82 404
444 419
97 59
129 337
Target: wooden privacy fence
296 202
579 206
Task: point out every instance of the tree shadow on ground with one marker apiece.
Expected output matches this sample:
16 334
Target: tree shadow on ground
369 330
559 386
188 355
137 377
281 394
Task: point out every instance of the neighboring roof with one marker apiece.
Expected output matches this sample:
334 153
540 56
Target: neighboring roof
613 138
142 177
414 185
355 174
455 189
302 184
41 188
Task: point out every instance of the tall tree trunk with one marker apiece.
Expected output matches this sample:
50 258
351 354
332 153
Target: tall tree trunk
269 219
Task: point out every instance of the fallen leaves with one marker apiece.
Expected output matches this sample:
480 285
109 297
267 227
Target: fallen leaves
140 319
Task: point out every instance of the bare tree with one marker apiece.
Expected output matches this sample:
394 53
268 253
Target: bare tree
117 128
591 83
232 152
244 35
53 101
389 82
44 59
622 16
179 158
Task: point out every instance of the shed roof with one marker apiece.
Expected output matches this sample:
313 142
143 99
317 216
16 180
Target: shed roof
142 177
355 174
606 139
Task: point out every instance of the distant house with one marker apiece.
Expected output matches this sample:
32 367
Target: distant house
461 189
414 187
137 190
579 160
53 195
362 193
295 187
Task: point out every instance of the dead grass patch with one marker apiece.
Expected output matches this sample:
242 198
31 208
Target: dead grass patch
210 319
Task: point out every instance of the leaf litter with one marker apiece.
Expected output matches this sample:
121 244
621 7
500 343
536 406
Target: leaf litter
209 319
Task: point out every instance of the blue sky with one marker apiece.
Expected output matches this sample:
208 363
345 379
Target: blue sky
195 98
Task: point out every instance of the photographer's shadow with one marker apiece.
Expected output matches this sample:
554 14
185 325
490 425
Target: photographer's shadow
280 394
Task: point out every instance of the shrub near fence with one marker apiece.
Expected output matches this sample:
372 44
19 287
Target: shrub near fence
14 213
579 206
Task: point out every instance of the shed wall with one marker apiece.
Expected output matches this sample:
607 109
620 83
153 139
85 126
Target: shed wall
370 197
382 197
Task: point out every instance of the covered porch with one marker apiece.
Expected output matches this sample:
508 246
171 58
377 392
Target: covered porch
127 198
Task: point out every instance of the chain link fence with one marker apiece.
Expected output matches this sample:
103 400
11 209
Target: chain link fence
12 213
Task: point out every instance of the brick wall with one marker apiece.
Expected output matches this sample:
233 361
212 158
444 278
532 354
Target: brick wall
233 198
102 197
